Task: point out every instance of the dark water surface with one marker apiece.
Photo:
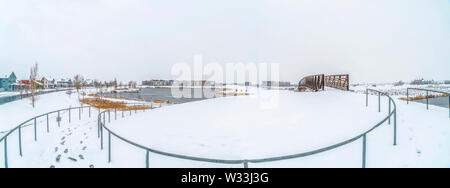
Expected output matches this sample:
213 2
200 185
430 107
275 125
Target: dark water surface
438 101
163 94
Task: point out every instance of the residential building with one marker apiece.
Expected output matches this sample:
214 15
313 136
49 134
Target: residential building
8 83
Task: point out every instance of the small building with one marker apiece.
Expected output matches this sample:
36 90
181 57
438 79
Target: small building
8 83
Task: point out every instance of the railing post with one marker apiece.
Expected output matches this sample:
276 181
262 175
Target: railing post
135 109
395 127
109 116
407 95
427 99
364 151
246 164
109 147
379 102
59 120
115 113
35 130
389 112
449 105
70 116
147 159
367 97
6 151
123 114
79 113
48 127
20 141
89 111
98 125
101 136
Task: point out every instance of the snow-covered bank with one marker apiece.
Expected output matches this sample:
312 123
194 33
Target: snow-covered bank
248 127
237 128
16 112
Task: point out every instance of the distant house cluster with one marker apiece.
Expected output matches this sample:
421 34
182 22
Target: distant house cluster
158 83
12 83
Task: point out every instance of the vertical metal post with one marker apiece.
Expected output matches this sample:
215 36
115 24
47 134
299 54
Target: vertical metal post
389 112
6 151
379 102
115 113
135 109
449 106
245 164
367 97
407 96
123 114
147 159
89 111
70 118
48 127
427 99
364 152
109 147
109 116
98 125
20 141
59 120
101 137
35 130
79 113
395 127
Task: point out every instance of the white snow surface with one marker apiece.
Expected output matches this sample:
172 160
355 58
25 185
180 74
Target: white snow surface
269 123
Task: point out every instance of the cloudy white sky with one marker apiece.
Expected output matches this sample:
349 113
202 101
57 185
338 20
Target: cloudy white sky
374 41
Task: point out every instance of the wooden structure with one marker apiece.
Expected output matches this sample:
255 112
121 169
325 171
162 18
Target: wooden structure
314 82
341 81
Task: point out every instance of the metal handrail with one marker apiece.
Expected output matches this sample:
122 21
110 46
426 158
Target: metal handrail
245 162
427 91
33 120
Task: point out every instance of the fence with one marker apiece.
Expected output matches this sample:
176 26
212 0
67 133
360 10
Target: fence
34 122
8 99
101 123
338 81
391 113
427 96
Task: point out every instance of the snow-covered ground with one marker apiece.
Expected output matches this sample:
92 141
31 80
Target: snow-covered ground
267 123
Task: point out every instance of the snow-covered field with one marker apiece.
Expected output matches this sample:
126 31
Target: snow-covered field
268 123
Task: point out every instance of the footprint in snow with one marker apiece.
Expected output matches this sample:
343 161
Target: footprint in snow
56 149
53 166
66 151
63 138
72 159
62 143
84 148
419 152
81 157
58 158
91 166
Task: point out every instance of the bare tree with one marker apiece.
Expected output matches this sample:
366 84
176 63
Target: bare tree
78 83
33 83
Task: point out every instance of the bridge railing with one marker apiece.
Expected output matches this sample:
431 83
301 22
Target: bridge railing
103 129
427 96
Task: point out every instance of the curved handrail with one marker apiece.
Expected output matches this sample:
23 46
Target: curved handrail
102 126
428 90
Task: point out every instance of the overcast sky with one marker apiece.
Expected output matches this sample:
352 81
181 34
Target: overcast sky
374 41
